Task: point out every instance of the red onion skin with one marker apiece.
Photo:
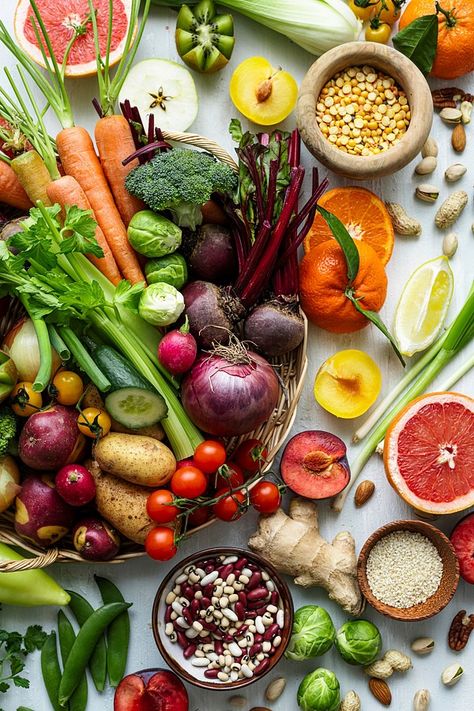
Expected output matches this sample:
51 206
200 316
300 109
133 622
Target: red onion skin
226 399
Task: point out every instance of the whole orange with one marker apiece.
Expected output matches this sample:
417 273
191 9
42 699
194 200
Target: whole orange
323 280
455 52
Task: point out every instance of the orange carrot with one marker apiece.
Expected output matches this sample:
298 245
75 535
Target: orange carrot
67 191
11 190
115 142
79 159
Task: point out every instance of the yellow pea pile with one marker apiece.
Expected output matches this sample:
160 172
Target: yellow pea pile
362 111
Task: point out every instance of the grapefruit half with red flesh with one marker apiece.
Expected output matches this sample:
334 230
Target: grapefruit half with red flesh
429 453
61 18
462 539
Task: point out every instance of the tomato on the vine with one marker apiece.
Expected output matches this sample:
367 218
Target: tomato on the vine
378 33
230 507
209 456
160 543
94 422
67 387
25 400
160 508
188 482
387 11
265 497
228 476
362 11
250 455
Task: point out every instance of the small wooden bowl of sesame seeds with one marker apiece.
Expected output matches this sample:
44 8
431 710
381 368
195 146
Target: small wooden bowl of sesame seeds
408 570
364 110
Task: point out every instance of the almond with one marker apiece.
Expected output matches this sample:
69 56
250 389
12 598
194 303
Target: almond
381 690
458 138
363 492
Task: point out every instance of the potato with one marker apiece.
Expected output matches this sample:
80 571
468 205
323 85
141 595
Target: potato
140 460
93 398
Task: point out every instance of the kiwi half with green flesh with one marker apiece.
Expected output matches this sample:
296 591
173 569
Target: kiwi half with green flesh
204 39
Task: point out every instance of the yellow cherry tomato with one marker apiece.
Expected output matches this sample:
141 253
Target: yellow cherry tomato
365 12
94 422
67 387
379 34
387 11
25 401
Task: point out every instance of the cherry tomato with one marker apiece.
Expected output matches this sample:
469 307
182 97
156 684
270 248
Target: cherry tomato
380 34
160 507
228 476
387 11
25 401
199 516
250 455
94 422
363 12
265 497
67 387
209 456
160 544
188 482
231 507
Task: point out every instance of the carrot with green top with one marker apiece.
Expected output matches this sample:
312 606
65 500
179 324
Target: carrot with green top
12 191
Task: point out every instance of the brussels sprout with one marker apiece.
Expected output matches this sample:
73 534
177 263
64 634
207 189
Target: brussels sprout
161 304
358 642
319 691
171 269
153 235
313 633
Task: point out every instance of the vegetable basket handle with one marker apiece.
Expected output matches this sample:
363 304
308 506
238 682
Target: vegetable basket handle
194 139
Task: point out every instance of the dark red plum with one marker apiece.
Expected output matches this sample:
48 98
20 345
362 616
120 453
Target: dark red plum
151 690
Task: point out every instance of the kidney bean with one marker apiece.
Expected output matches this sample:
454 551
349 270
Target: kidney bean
189 651
243 598
239 610
208 590
257 594
168 612
252 566
205 602
209 568
195 607
183 641
259 610
254 580
218 647
241 630
255 649
251 614
258 637
274 598
211 626
241 563
228 638
188 616
226 570
187 592
211 673
271 632
263 666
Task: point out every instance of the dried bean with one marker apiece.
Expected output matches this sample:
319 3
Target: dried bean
168 612
182 639
189 651
211 673
254 580
263 666
271 632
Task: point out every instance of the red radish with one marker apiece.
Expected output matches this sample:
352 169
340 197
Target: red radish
41 515
178 350
75 484
210 253
314 464
462 539
151 690
50 438
95 539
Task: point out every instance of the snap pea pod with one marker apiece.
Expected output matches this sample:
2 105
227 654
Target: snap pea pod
82 610
80 654
67 636
51 670
118 634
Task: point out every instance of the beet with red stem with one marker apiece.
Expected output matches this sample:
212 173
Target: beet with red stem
275 327
209 251
212 312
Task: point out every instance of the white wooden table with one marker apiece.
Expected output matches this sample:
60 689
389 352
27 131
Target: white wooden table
139 579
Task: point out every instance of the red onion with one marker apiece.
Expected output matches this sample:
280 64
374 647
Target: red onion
231 391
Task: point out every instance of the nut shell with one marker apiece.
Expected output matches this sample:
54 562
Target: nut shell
421 700
423 645
350 702
451 209
364 492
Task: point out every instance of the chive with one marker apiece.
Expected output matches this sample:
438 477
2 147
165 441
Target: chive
83 359
58 343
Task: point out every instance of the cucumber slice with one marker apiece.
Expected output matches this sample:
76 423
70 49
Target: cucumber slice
136 407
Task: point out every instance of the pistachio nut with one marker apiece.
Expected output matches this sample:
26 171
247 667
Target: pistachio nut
452 674
421 700
427 192
454 172
451 116
466 111
430 148
423 645
426 166
275 689
450 244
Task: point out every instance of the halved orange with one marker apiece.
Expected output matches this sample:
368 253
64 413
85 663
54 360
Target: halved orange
364 215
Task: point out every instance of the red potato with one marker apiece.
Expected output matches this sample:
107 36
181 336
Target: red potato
41 515
95 540
75 484
50 439
151 690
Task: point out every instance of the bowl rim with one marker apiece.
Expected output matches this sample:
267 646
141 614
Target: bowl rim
420 611
285 595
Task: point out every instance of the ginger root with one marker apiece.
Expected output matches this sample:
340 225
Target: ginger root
293 544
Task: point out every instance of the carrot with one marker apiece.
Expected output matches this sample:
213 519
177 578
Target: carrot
11 190
79 159
115 142
33 175
67 191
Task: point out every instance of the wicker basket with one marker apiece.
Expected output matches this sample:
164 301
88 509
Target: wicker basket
291 368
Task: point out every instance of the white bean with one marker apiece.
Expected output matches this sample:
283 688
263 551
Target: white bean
169 628
272 609
181 579
230 579
194 577
224 602
225 622
244 579
171 597
246 671
259 626
208 648
228 590
235 649
177 607
212 656
222 676
234 675
266 646
191 633
199 653
230 614
200 662
198 595
177 589
270 585
265 575
182 622
197 626
233 598
247 572
280 619
276 641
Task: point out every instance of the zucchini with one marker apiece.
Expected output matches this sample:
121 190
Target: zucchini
118 370
136 407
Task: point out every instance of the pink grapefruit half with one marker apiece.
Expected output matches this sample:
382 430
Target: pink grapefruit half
429 453
60 18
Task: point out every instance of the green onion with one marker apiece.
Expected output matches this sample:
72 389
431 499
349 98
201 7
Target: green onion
58 343
83 359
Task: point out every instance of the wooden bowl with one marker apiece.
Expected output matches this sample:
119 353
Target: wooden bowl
449 579
172 653
395 65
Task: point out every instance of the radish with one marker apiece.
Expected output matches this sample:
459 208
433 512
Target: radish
177 350
75 484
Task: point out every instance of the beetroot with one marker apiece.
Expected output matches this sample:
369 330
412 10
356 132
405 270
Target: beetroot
314 464
50 438
41 515
210 253
274 328
178 350
95 539
151 690
75 484
462 539
212 312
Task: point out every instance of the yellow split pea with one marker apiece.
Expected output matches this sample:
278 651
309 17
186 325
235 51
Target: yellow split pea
362 111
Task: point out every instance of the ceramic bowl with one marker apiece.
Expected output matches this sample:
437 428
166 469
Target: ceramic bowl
172 652
389 61
449 579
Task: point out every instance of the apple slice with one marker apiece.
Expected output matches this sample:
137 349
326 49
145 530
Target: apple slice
151 690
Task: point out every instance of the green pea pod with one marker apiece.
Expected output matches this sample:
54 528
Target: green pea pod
118 634
67 636
51 670
82 610
86 640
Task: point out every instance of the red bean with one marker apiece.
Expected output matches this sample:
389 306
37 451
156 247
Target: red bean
257 594
251 614
228 638
208 590
211 673
241 563
187 592
188 616
241 630
263 666
218 647
189 651
226 570
239 610
195 607
243 598
252 566
258 637
271 632
210 568
168 612
211 626
196 587
205 602
183 641
255 649
259 610
254 580
274 598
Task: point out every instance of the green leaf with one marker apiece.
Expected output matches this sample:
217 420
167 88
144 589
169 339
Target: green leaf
374 317
418 41
16 665
128 295
4 687
23 708
345 241
14 642
235 130
35 637
78 232
21 681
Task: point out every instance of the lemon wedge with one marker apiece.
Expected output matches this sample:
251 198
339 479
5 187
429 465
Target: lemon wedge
423 306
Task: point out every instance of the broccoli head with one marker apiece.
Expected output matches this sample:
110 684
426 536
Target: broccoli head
7 429
181 180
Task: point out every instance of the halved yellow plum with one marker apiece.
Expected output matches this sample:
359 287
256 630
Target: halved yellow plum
347 383
262 93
